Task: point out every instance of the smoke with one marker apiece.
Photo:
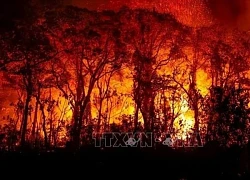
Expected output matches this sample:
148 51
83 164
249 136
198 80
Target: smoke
233 13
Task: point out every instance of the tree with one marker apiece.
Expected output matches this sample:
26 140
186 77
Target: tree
91 53
153 40
26 53
228 94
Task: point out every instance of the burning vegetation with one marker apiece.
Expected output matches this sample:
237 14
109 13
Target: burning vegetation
69 73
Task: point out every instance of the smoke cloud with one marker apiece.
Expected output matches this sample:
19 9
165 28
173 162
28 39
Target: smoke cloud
231 12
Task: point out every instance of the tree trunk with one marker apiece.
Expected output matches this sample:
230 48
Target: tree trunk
77 127
27 80
36 113
197 124
44 127
75 124
195 102
25 119
99 117
136 118
147 107
50 121
50 130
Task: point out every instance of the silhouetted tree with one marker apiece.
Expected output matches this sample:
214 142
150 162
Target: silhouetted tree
152 39
90 54
25 53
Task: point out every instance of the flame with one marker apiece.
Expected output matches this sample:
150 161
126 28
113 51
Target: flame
185 121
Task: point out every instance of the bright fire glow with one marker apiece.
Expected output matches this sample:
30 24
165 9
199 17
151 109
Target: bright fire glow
185 121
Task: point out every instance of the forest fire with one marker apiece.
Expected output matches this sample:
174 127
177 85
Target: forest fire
109 82
72 72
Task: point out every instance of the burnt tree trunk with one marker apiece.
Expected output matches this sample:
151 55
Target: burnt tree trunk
165 112
28 84
44 125
137 103
36 113
193 93
99 117
136 120
78 123
147 107
144 92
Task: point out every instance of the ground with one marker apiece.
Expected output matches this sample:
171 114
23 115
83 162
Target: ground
203 163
